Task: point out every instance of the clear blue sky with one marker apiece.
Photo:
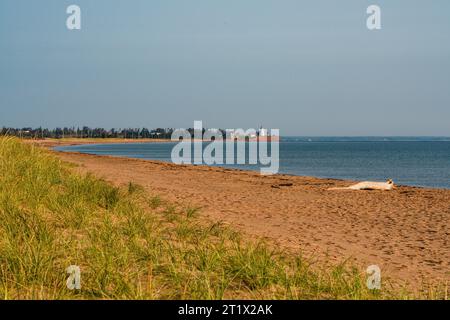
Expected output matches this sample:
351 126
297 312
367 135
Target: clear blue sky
306 67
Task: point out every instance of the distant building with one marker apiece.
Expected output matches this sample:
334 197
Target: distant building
263 132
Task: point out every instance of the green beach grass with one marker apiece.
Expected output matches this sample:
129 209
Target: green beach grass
131 245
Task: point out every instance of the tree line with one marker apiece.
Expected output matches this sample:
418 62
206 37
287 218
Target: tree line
87 132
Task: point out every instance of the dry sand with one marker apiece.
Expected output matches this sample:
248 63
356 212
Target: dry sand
404 231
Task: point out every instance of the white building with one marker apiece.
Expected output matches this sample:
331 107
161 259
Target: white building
263 132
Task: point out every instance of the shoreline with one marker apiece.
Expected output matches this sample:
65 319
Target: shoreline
404 231
54 143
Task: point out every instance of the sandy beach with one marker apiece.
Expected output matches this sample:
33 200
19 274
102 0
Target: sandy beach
404 231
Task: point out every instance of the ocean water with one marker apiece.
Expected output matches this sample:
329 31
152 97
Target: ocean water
411 161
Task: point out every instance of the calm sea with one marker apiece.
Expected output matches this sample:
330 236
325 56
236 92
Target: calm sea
415 161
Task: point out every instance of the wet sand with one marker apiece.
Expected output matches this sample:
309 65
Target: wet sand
51 143
405 231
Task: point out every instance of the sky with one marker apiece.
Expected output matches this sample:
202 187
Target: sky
305 67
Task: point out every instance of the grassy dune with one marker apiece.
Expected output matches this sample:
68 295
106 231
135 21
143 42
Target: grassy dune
130 245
